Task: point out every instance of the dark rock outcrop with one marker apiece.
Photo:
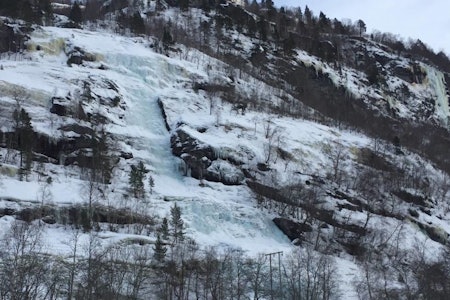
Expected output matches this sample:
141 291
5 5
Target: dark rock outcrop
202 161
414 199
78 215
196 155
293 230
126 155
77 56
163 113
403 73
12 37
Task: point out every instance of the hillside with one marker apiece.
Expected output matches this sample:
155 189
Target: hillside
162 150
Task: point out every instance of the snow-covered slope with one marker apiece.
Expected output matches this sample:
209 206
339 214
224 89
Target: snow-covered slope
214 214
185 115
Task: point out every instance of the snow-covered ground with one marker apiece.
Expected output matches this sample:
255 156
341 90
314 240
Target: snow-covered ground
215 214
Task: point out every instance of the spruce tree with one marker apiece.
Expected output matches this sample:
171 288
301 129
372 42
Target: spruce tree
176 223
151 183
163 230
75 13
23 132
308 15
167 38
101 162
46 7
136 179
137 24
159 251
262 28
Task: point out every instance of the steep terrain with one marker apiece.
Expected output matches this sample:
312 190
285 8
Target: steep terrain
337 161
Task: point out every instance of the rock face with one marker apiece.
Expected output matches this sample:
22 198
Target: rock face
163 113
77 56
293 230
196 155
12 39
202 161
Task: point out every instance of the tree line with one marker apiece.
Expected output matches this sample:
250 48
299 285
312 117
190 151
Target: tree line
137 270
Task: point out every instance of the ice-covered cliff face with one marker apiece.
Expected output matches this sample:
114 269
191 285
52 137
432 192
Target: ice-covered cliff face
214 214
439 93
187 115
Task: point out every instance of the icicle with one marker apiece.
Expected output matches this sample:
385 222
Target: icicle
436 81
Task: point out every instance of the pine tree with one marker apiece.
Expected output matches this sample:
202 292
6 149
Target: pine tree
177 224
362 26
159 251
163 230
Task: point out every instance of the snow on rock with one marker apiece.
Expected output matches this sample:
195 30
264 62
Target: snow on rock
158 113
218 215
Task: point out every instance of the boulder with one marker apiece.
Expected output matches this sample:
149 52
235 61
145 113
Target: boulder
77 56
223 171
197 155
293 230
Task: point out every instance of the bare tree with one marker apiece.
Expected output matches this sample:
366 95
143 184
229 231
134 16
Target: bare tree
22 267
72 266
310 275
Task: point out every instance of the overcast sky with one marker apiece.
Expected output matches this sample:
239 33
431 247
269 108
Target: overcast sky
427 20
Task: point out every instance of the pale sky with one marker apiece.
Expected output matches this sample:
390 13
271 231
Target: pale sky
427 20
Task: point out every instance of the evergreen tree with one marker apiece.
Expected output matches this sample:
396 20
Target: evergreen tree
176 223
23 132
46 7
254 7
137 24
288 45
93 9
338 27
101 161
300 14
271 10
262 28
136 180
26 12
151 183
75 13
163 230
362 26
167 39
159 251
308 15
324 23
